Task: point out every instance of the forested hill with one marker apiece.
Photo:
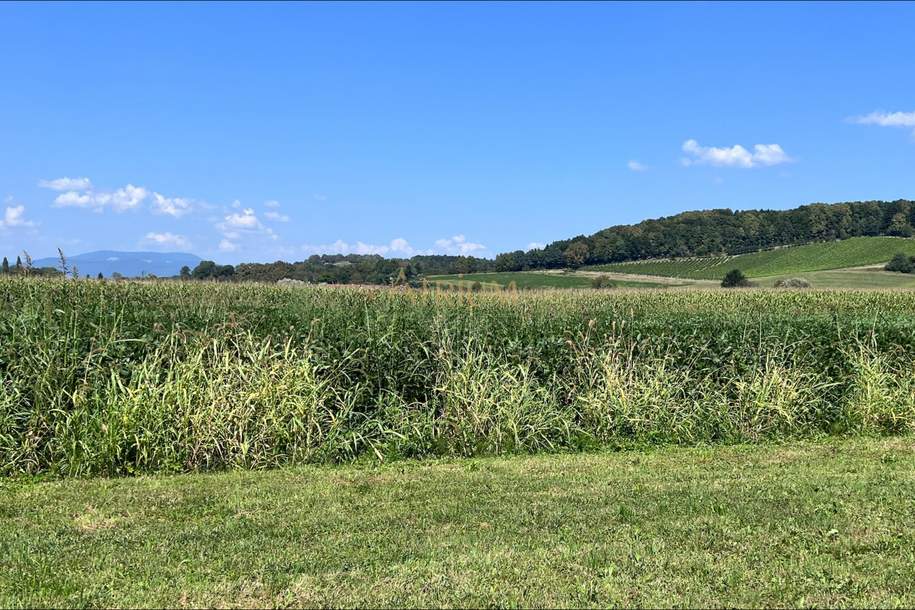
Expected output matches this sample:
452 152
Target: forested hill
690 234
714 232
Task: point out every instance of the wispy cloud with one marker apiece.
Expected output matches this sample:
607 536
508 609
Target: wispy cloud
763 155
338 247
887 119
276 216
458 245
171 206
227 245
14 216
245 220
535 245
400 247
243 226
166 240
396 247
66 184
635 166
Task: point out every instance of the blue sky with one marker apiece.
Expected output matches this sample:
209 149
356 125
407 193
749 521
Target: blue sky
266 131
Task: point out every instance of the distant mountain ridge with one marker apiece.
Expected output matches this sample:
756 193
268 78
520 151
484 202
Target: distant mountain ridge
128 264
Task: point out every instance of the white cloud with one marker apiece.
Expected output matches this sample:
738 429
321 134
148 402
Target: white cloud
635 166
361 248
769 154
14 216
125 198
735 156
246 220
397 247
166 239
66 184
172 206
887 119
276 216
79 192
73 198
242 226
535 245
402 246
458 245
273 203
338 247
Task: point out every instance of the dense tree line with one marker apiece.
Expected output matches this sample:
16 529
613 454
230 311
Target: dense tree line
715 232
343 269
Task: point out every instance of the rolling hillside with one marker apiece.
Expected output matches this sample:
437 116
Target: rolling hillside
854 252
709 233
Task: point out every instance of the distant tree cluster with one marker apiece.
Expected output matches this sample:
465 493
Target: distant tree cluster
716 232
901 263
209 270
26 268
342 269
735 279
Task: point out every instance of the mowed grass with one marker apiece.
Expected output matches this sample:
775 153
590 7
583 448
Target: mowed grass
530 280
811 524
860 279
855 252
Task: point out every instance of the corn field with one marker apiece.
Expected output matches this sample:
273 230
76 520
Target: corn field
129 377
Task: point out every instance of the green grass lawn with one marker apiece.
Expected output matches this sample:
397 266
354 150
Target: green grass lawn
818 524
863 279
532 280
855 252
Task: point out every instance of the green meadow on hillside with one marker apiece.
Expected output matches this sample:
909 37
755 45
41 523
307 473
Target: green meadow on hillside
522 280
856 279
855 252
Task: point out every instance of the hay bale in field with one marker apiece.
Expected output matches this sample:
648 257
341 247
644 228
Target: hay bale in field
792 282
